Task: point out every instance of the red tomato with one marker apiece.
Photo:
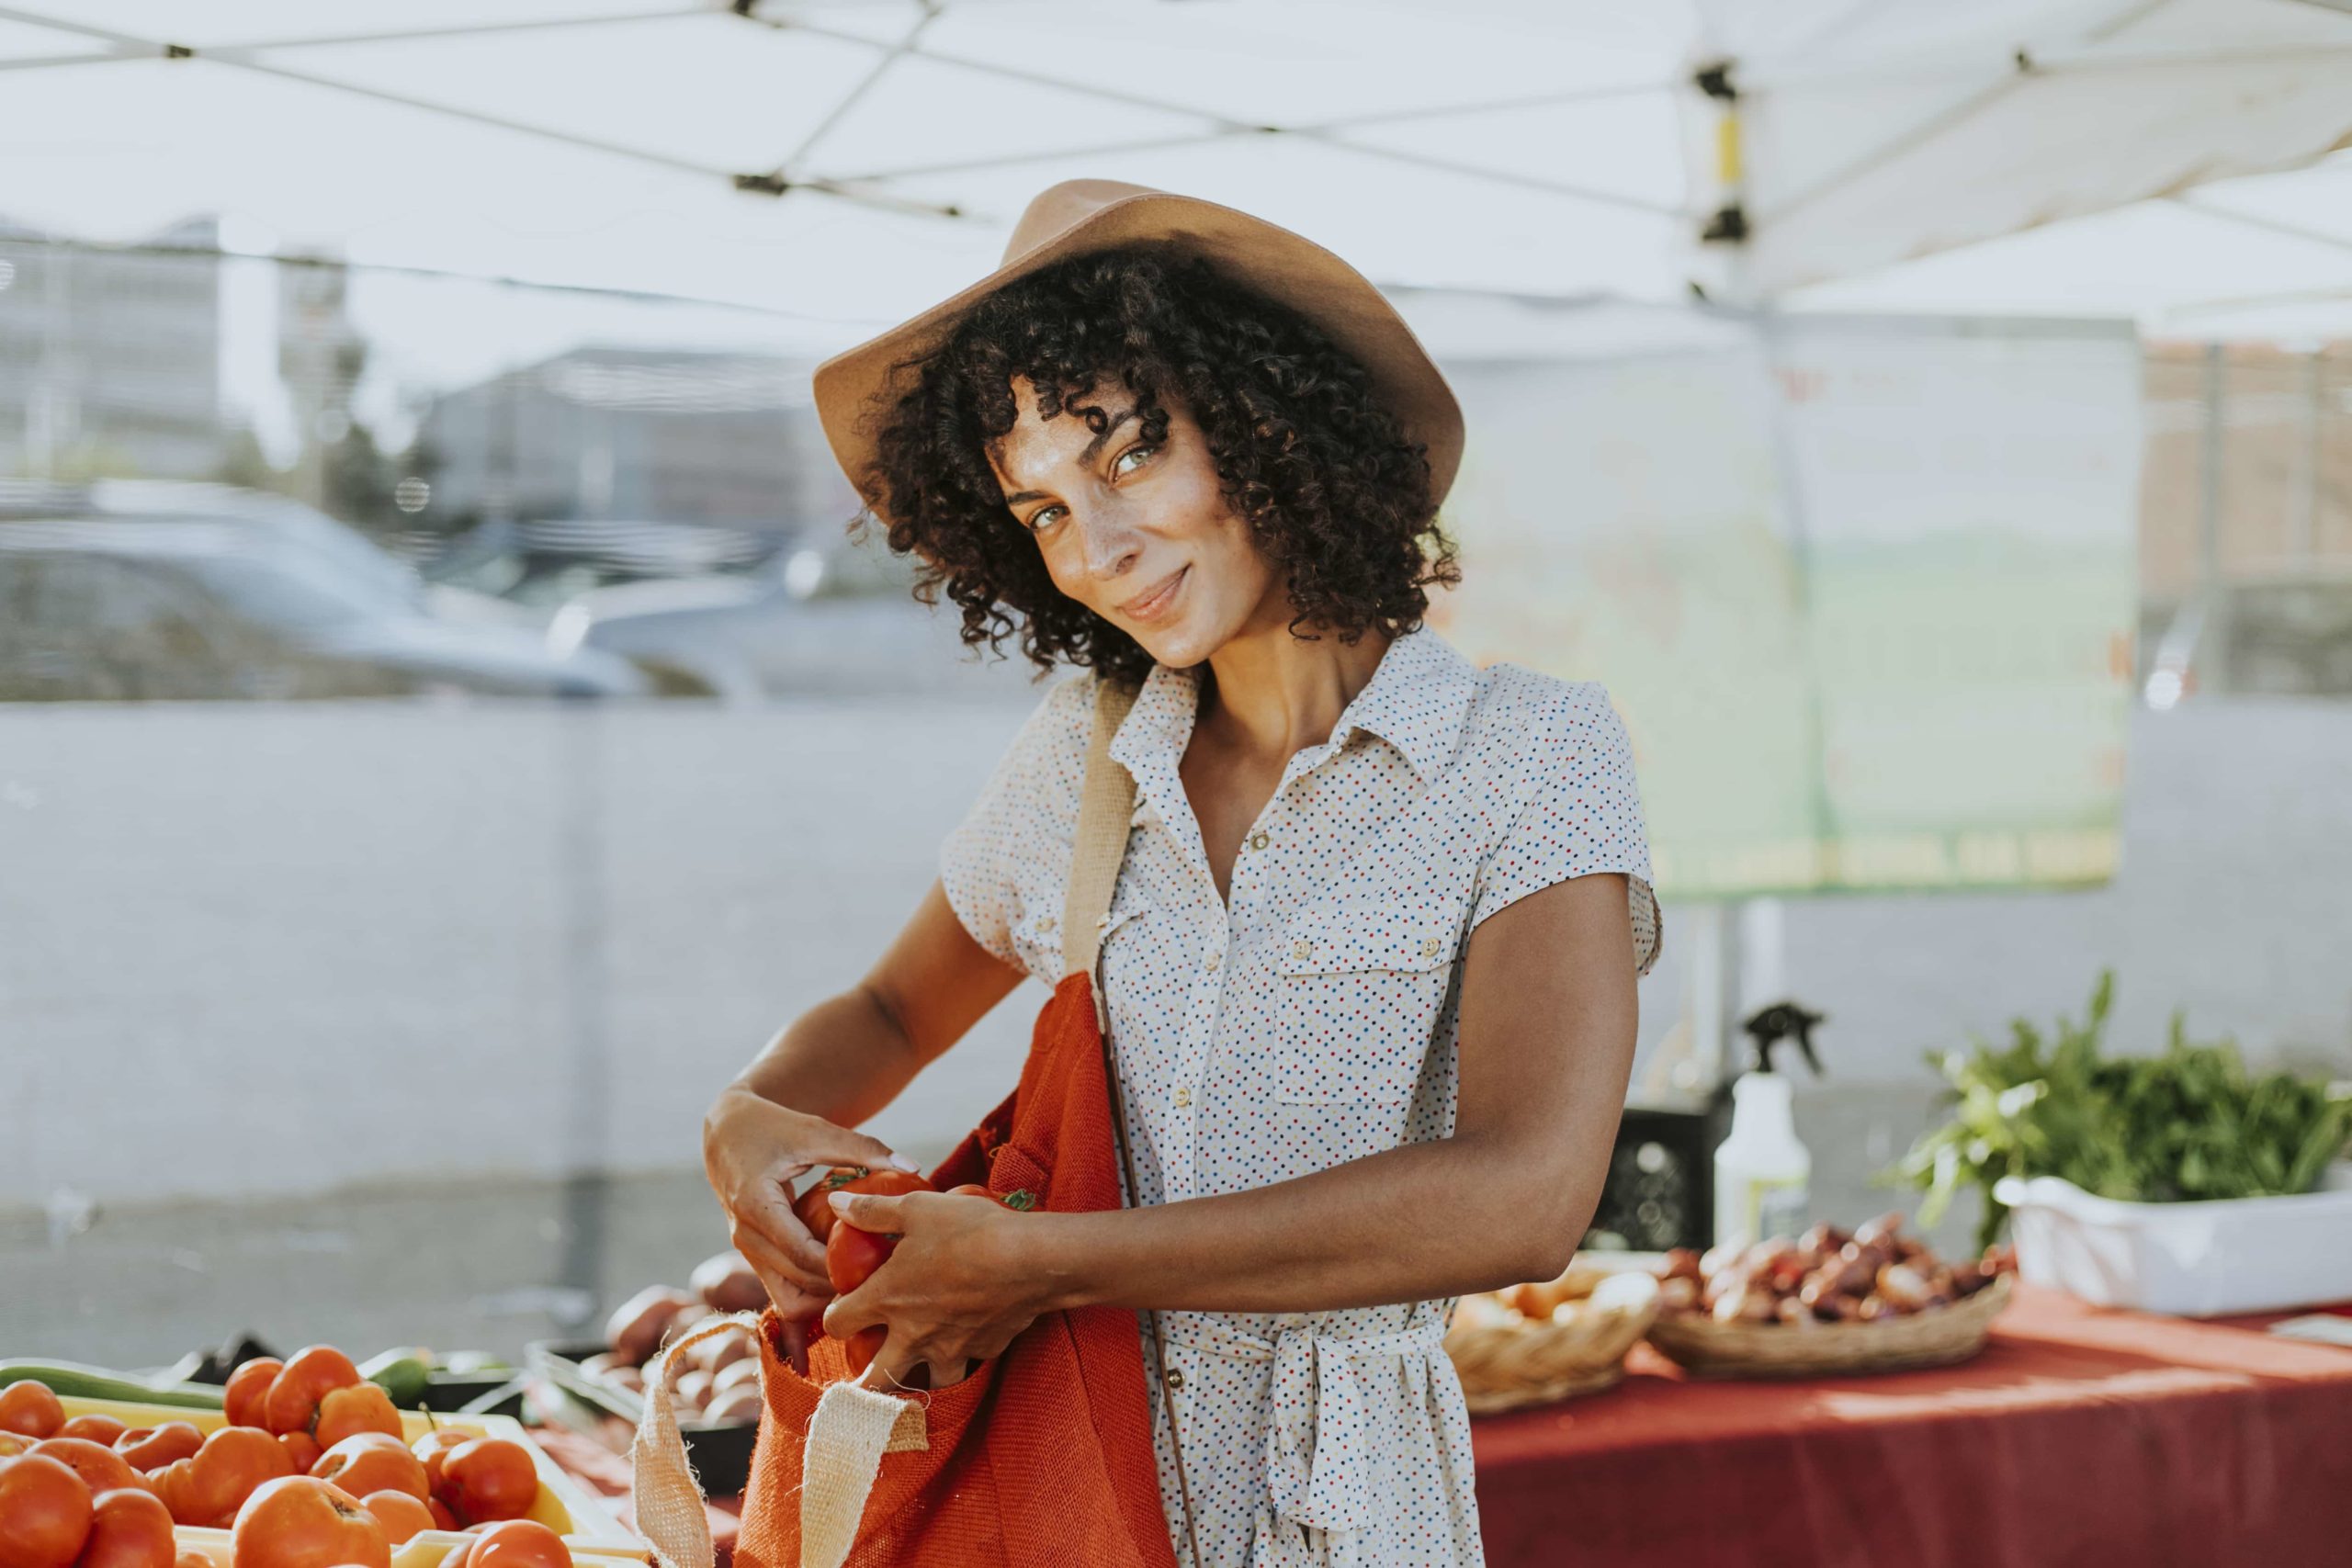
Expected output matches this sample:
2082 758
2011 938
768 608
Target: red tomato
208 1489
518 1543
302 1449
850 1256
816 1211
129 1528
247 1387
298 1521
1022 1198
399 1515
370 1461
434 1447
44 1512
310 1375
102 1429
361 1407
28 1409
489 1478
152 1447
100 1468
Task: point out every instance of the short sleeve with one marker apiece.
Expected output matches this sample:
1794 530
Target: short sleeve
1584 815
1003 867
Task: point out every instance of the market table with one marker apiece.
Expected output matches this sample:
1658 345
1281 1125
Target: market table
2079 1437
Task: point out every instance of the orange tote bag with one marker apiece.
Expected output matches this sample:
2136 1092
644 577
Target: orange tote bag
1043 1456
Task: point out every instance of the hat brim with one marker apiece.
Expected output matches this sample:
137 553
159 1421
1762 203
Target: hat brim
856 390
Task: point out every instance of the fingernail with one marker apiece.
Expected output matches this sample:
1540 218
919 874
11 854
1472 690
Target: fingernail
840 1201
903 1163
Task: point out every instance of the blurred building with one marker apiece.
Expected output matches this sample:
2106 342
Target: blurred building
111 358
681 436
319 356
2245 518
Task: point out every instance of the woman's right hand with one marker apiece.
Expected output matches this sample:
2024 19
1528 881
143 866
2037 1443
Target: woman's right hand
752 1151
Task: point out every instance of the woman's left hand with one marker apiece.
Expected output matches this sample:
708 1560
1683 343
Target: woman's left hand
960 1285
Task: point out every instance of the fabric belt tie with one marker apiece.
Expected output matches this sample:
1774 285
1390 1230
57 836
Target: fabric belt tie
1316 1463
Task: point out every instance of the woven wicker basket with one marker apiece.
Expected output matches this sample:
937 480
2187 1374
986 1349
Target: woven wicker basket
1938 1338
1506 1360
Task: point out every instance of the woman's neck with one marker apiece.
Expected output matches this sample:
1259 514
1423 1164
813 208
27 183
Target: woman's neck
1269 694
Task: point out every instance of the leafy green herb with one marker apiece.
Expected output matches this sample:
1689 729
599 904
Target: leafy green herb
2183 1125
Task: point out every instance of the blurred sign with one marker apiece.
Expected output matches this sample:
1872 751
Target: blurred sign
1862 588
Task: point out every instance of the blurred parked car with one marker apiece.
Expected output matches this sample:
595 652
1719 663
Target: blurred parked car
823 623
156 591
2284 635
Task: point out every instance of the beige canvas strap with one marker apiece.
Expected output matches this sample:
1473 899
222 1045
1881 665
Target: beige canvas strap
664 1496
1107 808
1106 803
853 1426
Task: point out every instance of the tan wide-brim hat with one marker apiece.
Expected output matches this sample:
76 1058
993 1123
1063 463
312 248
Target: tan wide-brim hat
857 389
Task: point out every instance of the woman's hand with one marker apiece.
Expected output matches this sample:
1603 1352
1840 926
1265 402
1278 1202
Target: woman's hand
752 1150
964 1279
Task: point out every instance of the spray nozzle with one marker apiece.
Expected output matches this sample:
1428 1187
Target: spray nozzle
1769 1026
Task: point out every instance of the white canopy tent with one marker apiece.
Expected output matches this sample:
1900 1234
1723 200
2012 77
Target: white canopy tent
844 162
850 161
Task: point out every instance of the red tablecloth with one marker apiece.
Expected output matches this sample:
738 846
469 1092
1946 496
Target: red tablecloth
2080 1437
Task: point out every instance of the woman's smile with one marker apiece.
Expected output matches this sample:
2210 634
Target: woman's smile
1155 603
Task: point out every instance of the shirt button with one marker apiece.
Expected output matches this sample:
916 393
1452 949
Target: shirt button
1176 1378
1258 841
1216 962
1183 1096
1302 950
1429 947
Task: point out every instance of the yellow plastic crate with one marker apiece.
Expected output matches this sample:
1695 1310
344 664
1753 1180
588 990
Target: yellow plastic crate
564 1506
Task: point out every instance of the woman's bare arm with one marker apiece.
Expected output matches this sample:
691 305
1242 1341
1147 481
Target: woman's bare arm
849 1055
1548 1016
830 1069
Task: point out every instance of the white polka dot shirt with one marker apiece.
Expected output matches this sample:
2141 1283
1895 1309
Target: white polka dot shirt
1308 1020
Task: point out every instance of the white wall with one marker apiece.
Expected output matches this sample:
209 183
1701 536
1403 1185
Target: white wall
277 949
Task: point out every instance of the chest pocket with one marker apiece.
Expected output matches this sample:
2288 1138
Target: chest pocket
1364 982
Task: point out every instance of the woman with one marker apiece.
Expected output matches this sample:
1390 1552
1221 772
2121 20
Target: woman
1370 961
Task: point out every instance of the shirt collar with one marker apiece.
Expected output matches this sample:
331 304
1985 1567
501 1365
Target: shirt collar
1416 701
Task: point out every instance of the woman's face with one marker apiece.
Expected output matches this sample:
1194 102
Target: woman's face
1134 530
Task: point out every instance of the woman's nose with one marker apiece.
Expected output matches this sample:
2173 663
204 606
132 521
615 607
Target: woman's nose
1109 542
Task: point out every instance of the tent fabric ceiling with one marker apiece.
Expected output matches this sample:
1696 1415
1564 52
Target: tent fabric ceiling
1544 147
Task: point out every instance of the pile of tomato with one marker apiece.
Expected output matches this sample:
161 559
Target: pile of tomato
312 1471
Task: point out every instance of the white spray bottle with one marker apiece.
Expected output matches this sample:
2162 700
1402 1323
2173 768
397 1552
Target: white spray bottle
1762 1169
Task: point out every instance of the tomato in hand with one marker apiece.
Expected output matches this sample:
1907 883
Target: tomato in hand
850 1256
815 1212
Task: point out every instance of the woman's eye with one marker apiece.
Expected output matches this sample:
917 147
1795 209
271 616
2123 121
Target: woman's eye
1143 448
1037 521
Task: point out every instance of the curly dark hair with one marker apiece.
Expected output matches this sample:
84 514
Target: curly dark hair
1305 450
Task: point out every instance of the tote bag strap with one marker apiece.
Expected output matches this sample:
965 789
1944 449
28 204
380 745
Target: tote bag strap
1105 810
1106 803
